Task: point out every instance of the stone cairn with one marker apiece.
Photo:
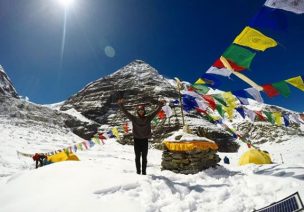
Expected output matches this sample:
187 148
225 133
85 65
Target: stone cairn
191 160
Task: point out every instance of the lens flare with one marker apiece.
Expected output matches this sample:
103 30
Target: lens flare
66 3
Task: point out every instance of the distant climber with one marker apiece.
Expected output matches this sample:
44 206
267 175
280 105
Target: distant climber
226 160
39 158
141 132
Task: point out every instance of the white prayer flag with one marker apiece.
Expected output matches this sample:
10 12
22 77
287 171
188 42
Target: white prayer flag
223 71
255 94
295 6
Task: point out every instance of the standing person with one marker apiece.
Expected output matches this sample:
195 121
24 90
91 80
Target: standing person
141 132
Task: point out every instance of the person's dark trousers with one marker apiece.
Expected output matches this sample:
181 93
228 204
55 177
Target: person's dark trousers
141 149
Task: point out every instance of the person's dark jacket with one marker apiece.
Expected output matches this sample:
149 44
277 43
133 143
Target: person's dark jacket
141 126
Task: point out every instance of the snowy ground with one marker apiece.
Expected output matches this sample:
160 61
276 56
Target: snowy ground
105 178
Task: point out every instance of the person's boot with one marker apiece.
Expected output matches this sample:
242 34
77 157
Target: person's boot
144 167
137 162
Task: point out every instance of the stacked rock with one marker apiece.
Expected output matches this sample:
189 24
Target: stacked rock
188 154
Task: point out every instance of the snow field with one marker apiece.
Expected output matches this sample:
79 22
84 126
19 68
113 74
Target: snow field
105 180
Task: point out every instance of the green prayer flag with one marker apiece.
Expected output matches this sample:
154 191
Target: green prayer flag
282 87
239 55
269 116
155 121
220 110
220 99
201 89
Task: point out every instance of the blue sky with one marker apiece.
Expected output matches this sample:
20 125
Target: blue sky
178 37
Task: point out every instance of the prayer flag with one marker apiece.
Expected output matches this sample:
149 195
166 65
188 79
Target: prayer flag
250 114
201 104
277 118
223 71
282 87
230 99
295 6
161 114
239 55
219 98
260 115
243 101
85 144
255 94
220 110
296 82
286 120
242 96
269 18
96 140
200 82
241 111
80 146
189 102
168 110
201 89
254 39
230 112
269 116
115 132
209 80
210 101
126 127
270 90
219 64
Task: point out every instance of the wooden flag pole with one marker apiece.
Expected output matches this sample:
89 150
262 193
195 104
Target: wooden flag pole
178 84
239 75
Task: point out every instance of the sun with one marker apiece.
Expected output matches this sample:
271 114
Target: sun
66 3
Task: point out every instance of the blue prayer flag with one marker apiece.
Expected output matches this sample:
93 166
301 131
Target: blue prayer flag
241 111
211 80
267 17
189 102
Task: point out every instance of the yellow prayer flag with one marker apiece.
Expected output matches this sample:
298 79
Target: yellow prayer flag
254 39
230 112
115 132
278 118
297 82
200 82
230 99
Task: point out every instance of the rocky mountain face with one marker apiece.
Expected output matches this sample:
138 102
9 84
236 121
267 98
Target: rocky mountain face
137 83
16 111
22 113
6 86
261 132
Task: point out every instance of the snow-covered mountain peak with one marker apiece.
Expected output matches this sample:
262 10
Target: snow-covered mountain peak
6 86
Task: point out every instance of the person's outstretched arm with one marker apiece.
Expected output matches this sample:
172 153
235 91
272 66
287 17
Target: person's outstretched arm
121 102
161 103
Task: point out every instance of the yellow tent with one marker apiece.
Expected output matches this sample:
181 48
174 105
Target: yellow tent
62 156
255 156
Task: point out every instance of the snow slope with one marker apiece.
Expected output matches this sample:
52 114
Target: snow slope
105 179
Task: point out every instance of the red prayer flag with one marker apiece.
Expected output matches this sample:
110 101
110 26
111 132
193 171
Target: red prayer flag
210 101
270 90
218 63
200 110
190 88
85 145
100 136
126 127
161 114
248 145
260 115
